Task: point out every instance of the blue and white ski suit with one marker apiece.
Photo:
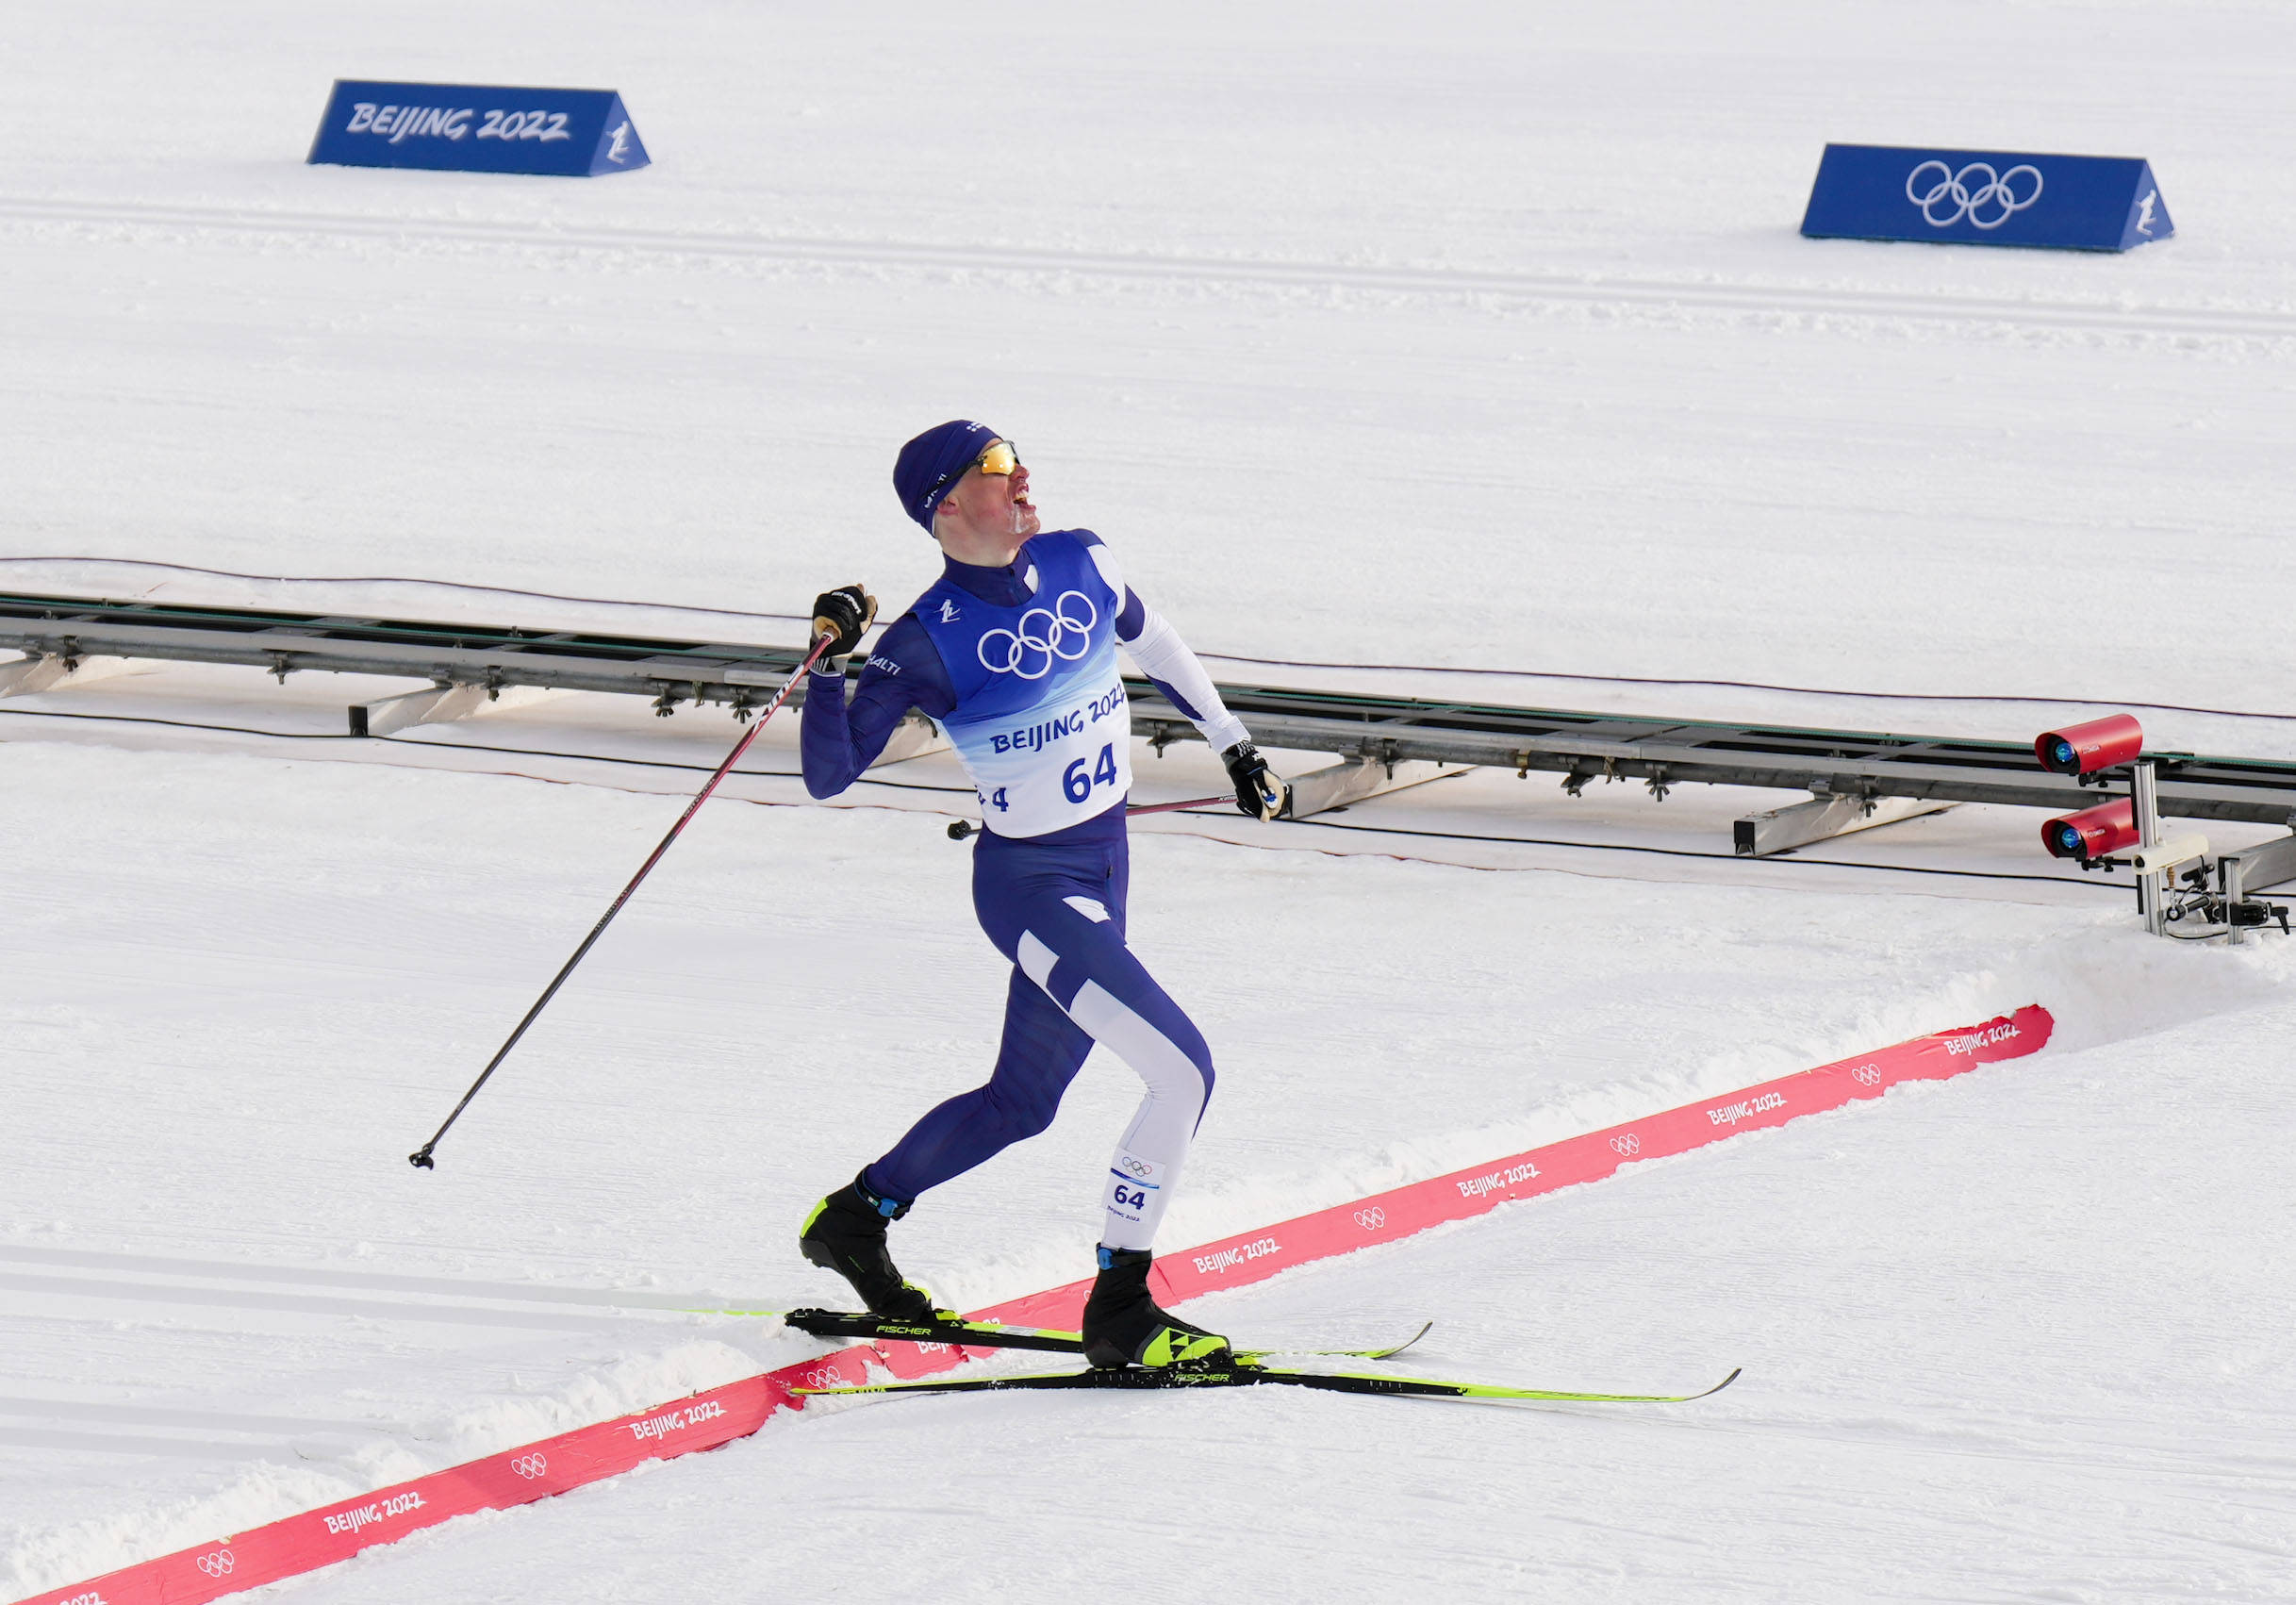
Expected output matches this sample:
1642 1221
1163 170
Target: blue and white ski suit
1017 666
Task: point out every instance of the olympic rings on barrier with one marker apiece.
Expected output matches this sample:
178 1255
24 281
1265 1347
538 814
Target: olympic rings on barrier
1996 190
1866 1075
1628 1145
1051 638
218 1564
1371 1219
530 1466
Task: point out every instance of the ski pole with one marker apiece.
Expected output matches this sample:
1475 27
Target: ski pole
420 1158
959 830
1174 807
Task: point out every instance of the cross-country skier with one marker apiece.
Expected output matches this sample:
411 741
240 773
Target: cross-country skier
1011 651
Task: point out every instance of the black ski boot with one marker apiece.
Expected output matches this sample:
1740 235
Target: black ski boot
1123 1326
846 1234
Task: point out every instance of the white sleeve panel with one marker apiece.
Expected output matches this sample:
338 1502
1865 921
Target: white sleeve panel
1105 561
1162 655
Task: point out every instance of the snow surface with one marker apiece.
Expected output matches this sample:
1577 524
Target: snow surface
1457 339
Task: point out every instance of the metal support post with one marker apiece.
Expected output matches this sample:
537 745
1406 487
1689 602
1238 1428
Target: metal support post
443 704
1319 791
2144 793
1781 830
48 672
2251 870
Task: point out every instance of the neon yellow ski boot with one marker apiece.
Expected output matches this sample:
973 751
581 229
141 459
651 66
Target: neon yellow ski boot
1123 1326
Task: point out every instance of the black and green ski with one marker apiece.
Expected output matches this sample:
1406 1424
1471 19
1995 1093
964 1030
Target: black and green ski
996 1334
1246 1373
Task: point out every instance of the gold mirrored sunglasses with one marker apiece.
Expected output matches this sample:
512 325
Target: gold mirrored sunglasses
999 457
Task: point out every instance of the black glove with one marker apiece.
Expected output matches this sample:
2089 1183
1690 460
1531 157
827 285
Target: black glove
845 614
1258 792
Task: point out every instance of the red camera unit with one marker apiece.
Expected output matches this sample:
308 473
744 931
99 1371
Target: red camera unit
2084 749
2093 832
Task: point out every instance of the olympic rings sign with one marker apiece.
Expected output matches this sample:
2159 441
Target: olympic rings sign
1867 1075
216 1563
530 1466
1044 635
1988 203
1628 1145
1371 1219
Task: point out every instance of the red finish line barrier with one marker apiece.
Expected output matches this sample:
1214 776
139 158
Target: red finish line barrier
301 1544
1253 1256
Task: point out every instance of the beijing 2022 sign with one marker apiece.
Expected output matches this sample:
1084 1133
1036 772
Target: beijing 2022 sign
2070 203
472 128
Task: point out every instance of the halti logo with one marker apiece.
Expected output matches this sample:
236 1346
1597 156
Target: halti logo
948 612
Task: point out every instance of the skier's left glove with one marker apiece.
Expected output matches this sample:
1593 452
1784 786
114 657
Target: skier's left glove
1259 791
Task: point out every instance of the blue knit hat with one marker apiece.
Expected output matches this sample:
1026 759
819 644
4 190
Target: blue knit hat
930 465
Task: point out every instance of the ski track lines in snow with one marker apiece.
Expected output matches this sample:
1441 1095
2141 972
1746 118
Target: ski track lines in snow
709 1418
2087 318
83 1285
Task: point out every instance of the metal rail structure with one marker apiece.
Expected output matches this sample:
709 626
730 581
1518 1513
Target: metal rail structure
1856 778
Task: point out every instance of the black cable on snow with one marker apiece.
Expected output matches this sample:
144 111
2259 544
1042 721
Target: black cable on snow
1687 852
1743 685
409 580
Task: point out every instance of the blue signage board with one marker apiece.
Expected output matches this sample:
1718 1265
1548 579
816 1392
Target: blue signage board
471 128
2070 203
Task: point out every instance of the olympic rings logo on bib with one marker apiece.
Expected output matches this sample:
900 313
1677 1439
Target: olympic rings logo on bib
1945 184
1032 649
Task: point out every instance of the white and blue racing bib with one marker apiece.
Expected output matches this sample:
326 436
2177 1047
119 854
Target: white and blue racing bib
1040 720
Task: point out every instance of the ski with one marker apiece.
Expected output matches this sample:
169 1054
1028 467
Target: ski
941 1328
1387 1353
996 1334
1246 1374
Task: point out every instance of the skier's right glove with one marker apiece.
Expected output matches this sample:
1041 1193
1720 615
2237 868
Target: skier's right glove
1258 792
845 615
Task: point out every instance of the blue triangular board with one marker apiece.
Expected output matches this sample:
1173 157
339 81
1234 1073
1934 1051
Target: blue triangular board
477 128
1964 197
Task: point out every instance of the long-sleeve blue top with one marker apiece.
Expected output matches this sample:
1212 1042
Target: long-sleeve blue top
840 739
